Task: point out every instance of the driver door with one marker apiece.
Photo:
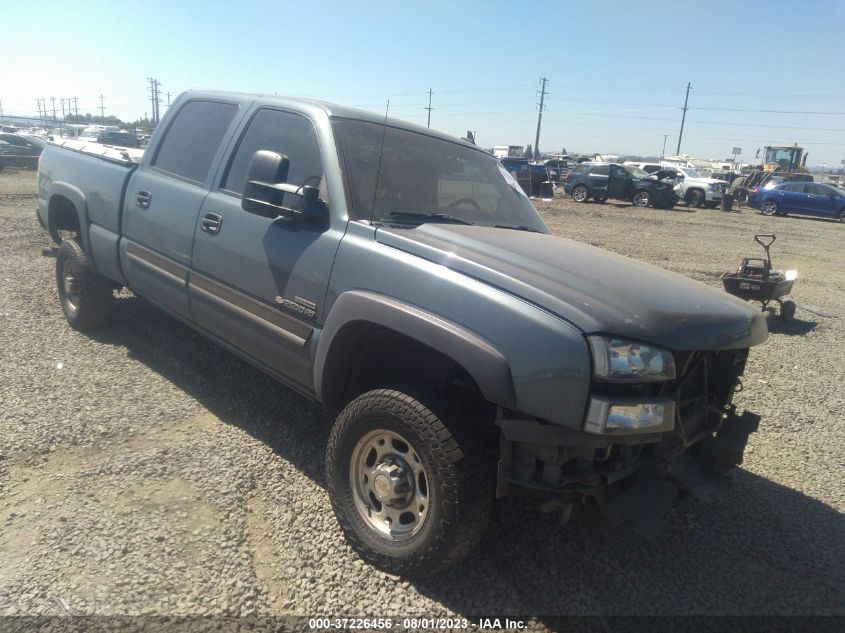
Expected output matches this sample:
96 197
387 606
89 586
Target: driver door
260 283
617 186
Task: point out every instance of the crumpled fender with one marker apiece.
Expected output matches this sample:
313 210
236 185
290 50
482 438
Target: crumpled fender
487 366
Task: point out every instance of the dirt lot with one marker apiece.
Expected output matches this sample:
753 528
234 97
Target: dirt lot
145 470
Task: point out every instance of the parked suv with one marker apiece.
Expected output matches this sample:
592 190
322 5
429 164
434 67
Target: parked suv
690 185
601 181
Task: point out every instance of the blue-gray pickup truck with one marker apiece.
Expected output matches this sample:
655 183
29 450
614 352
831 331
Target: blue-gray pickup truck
403 279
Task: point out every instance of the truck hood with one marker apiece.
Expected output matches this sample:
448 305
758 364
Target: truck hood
595 290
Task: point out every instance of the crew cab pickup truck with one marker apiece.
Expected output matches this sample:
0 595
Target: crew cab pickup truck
403 279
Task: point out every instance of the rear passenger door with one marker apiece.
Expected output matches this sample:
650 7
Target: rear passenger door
597 180
260 283
164 197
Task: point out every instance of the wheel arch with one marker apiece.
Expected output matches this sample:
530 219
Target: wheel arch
367 331
67 211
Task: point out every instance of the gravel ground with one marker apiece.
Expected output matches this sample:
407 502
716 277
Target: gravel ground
143 470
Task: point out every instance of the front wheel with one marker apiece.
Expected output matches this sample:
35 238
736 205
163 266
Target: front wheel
87 299
642 198
696 198
842 216
579 193
411 491
769 207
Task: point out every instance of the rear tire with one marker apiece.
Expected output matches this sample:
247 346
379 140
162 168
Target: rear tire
580 193
411 489
842 216
769 208
87 299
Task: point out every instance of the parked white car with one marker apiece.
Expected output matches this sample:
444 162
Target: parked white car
692 187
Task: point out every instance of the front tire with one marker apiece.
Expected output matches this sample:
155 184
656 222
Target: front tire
769 208
580 193
842 216
642 198
696 198
411 489
87 299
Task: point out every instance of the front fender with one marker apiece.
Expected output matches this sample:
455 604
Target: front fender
487 366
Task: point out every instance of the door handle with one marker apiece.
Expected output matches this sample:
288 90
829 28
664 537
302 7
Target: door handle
211 222
144 198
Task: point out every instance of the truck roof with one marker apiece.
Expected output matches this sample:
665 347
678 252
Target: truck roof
330 109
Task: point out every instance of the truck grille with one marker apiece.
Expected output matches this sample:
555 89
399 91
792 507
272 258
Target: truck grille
703 392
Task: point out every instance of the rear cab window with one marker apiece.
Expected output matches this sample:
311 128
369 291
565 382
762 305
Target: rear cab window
193 138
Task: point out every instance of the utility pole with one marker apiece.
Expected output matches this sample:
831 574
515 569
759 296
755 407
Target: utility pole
683 118
75 107
63 107
102 110
540 117
663 153
429 108
158 100
1 109
53 101
168 100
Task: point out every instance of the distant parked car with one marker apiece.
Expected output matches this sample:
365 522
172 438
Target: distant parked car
800 198
121 139
609 180
529 176
557 168
17 145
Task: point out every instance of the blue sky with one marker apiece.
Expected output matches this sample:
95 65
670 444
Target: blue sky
762 72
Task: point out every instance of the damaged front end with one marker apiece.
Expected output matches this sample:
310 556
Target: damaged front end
642 442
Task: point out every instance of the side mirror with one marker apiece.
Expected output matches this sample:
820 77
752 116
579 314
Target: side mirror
267 193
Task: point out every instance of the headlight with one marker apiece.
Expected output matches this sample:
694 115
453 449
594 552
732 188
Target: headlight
606 417
619 360
791 275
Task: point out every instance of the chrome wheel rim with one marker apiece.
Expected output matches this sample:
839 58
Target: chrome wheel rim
769 208
641 199
70 287
580 194
390 486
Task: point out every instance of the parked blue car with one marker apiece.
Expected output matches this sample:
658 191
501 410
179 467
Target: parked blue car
802 198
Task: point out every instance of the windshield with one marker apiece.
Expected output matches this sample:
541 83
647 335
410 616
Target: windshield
690 173
426 179
636 172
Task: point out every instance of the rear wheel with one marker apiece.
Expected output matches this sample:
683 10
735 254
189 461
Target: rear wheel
87 299
769 207
642 198
579 193
411 490
842 216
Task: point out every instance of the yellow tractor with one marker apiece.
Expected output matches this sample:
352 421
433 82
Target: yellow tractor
783 162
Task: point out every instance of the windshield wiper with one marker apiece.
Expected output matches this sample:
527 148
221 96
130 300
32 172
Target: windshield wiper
442 217
521 227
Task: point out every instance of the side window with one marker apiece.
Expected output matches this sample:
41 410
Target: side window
285 133
601 170
651 169
193 138
819 190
